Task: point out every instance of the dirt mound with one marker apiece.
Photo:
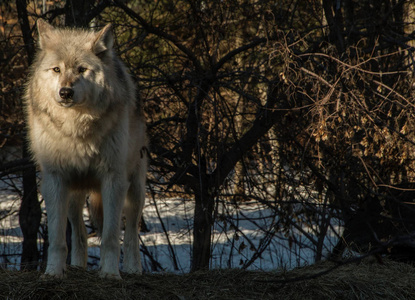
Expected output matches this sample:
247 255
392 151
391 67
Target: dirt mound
366 280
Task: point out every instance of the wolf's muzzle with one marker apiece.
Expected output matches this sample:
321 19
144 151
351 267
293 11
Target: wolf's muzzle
66 96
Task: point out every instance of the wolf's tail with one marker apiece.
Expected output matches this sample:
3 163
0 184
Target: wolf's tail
96 212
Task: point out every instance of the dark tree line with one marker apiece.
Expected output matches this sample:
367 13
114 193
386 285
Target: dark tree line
302 106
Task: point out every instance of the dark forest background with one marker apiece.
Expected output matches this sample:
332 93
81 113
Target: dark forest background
305 107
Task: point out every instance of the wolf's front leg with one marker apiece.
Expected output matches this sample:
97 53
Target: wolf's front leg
54 192
114 189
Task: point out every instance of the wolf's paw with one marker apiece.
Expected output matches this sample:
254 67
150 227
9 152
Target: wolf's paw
111 276
133 270
47 276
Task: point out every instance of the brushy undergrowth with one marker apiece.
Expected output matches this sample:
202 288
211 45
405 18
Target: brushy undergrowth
365 280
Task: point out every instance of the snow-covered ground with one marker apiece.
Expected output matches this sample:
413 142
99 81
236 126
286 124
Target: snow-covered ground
245 236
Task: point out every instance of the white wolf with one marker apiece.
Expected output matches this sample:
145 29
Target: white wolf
87 134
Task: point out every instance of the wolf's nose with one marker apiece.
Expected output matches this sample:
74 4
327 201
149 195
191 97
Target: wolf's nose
66 93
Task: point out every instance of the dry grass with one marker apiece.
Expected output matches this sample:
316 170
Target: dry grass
367 280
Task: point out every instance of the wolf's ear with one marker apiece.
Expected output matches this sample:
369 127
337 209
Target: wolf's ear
46 32
104 41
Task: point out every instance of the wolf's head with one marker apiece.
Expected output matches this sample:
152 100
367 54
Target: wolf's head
72 63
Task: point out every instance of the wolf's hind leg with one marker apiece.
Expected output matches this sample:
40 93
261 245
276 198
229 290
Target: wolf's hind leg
133 211
79 235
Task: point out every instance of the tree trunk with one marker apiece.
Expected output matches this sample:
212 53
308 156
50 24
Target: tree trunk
76 12
30 213
25 28
202 229
29 218
334 18
409 27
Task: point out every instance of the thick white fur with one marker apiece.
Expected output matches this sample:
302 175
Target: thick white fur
94 146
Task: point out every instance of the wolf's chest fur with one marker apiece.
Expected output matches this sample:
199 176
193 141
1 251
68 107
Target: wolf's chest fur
80 138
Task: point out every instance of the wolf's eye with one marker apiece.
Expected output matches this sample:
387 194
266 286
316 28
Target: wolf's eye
56 70
81 70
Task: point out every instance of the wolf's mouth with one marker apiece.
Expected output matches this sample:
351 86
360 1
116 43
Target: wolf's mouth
66 103
66 97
